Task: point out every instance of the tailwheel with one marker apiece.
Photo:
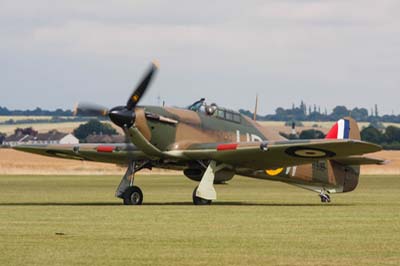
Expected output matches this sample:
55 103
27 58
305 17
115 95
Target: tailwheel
133 196
198 200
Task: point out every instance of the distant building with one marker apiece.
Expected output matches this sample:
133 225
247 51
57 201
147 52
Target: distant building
16 138
51 137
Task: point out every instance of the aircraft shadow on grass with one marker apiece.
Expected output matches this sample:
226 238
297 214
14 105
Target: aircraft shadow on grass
222 203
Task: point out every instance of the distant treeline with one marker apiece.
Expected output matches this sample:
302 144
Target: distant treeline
296 113
314 113
53 119
35 112
389 138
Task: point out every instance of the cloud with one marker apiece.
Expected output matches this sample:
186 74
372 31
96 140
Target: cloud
327 52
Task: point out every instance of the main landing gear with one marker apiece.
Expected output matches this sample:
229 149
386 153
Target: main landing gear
205 193
130 194
325 198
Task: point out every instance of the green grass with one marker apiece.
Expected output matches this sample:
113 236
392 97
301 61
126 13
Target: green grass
253 223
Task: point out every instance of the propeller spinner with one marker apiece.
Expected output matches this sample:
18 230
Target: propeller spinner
122 116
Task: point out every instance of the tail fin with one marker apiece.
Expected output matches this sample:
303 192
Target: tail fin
345 128
346 175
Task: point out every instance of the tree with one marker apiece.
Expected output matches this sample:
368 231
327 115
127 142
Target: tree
311 134
93 126
303 107
2 138
359 114
26 131
371 134
392 134
246 113
289 136
377 124
4 111
339 112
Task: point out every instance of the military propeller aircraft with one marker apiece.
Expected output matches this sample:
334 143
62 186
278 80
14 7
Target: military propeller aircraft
213 144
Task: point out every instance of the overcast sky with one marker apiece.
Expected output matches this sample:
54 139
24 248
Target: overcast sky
340 52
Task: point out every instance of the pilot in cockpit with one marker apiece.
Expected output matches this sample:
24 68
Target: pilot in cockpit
201 106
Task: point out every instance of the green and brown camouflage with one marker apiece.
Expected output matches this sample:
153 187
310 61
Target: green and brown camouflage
195 130
190 139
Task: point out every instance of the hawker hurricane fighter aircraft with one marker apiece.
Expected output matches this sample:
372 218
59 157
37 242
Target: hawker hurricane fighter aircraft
213 144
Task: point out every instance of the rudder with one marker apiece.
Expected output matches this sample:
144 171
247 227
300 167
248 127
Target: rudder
346 175
345 128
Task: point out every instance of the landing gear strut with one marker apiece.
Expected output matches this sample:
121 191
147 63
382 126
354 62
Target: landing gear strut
205 193
131 195
325 198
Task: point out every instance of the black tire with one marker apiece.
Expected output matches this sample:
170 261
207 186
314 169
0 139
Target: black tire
328 198
198 200
133 196
325 198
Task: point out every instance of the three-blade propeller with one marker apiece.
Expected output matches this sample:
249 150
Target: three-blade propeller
122 116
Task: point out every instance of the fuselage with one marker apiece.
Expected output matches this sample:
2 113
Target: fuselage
177 129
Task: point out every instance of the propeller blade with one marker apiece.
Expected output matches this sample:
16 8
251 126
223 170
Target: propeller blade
142 87
88 109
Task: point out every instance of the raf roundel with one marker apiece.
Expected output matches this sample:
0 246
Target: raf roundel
274 172
304 152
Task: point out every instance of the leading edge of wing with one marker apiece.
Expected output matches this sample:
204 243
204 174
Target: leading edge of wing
279 153
109 153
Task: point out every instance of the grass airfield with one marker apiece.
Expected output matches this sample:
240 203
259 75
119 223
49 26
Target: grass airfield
75 220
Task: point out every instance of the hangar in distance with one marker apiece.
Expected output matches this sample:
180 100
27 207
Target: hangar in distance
211 145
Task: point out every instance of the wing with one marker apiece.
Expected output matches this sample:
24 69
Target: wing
254 155
271 155
118 153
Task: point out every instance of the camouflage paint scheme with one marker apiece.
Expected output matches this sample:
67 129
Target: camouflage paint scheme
187 140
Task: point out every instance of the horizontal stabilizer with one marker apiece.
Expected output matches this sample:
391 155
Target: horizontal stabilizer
360 160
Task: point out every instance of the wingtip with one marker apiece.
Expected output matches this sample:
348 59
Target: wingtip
19 147
377 146
374 147
384 162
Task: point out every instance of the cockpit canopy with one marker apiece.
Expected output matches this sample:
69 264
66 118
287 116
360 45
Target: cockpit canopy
214 110
196 106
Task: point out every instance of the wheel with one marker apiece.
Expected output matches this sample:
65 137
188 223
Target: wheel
325 198
133 196
198 200
328 198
